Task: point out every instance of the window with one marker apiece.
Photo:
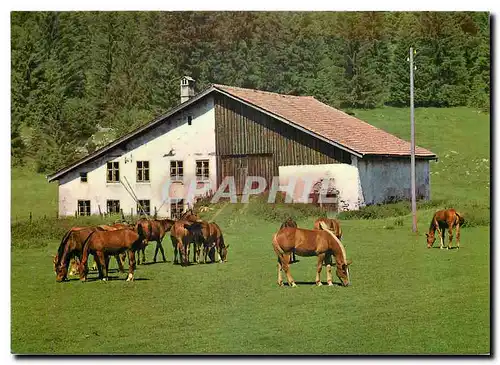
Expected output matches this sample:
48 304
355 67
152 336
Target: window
83 177
113 172
190 119
202 172
176 208
83 207
176 170
113 206
142 171
143 207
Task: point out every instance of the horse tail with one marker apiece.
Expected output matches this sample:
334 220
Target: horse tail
279 251
339 231
460 217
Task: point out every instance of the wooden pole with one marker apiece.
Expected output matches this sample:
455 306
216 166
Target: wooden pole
412 120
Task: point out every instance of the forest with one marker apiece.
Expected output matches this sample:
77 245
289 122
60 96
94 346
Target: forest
75 74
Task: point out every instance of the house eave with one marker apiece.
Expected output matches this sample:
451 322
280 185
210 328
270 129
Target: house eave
125 138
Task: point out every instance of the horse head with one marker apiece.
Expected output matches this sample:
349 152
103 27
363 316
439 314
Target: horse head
224 253
343 273
61 273
431 238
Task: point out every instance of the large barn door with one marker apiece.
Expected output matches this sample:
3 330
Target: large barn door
242 166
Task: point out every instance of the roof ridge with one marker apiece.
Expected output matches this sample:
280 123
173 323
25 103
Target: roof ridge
261 91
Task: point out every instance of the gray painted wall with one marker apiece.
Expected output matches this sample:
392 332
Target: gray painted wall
389 178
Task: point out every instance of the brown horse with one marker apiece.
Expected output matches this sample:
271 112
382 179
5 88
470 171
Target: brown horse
332 224
182 234
442 219
290 223
190 216
71 247
307 242
105 243
155 230
213 240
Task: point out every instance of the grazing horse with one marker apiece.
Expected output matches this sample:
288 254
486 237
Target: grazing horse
307 242
105 243
155 230
290 223
332 224
71 246
213 239
442 219
182 234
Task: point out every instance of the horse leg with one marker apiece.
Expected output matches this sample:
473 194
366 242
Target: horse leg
450 236
103 261
143 250
319 266
160 247
99 268
176 250
131 265
328 262
280 279
458 235
285 264
119 262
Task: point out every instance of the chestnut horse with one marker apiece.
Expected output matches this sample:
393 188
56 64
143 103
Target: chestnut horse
322 243
182 234
105 243
213 239
190 216
71 247
332 224
442 219
155 230
290 223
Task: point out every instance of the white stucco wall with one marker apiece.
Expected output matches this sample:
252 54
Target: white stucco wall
345 179
187 142
385 179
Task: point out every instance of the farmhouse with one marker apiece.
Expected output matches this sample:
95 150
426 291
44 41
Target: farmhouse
230 131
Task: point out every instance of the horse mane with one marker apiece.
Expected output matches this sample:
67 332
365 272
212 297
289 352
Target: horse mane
62 246
432 227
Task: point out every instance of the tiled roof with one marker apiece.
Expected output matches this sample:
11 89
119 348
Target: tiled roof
328 122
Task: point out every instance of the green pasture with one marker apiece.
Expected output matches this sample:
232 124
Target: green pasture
404 298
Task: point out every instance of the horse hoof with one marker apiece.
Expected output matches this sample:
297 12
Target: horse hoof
280 283
330 283
104 279
319 283
294 285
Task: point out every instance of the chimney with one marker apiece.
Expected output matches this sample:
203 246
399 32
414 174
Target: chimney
187 88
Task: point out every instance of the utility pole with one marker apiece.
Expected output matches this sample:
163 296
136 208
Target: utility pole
412 120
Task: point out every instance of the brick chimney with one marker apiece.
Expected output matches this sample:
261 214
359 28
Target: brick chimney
187 88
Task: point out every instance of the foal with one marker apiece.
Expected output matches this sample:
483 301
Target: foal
442 219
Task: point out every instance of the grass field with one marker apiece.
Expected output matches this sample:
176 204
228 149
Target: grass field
404 298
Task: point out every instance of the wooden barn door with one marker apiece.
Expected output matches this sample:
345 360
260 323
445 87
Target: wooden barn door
242 166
